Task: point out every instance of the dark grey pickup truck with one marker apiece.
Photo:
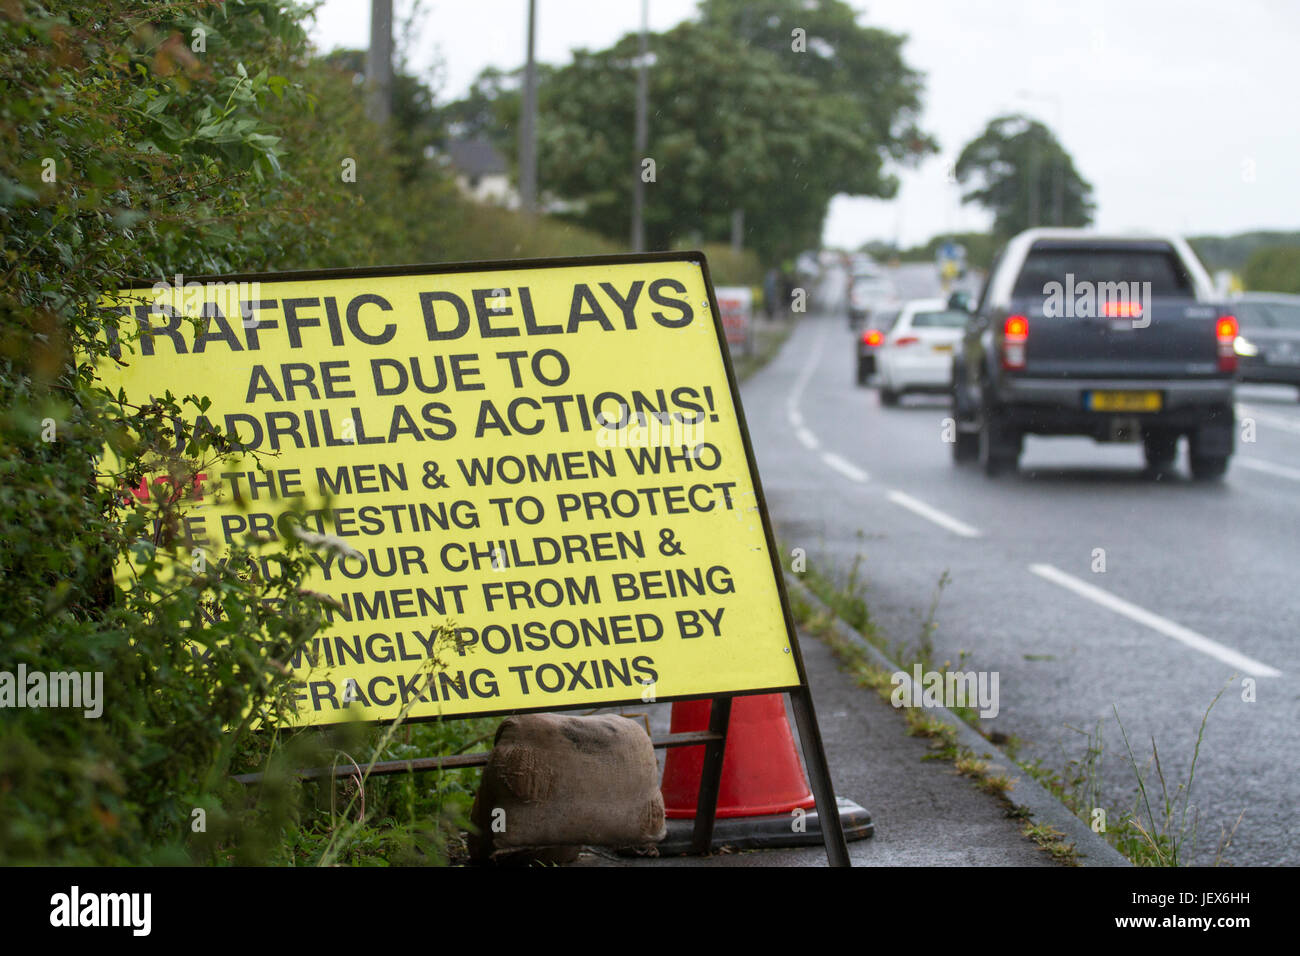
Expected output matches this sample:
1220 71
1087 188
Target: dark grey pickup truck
1117 338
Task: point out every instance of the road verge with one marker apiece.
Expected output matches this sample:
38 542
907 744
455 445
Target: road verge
1048 821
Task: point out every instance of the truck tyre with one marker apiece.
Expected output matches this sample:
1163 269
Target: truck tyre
965 447
999 450
863 372
1209 468
965 444
1161 448
1208 450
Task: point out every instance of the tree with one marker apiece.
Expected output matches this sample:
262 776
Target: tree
491 108
1274 269
415 125
730 129
738 121
1024 176
1233 252
821 40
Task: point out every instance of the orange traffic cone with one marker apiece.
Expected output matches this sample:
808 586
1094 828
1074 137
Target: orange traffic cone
763 797
761 772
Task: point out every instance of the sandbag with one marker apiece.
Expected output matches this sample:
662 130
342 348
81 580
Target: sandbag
555 780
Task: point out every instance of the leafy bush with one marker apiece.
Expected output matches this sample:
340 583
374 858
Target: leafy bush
728 267
140 140
126 154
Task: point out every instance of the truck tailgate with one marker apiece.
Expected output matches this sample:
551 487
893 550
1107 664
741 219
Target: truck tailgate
1171 339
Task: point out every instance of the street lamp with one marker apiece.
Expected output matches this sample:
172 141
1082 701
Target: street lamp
642 132
1058 210
528 122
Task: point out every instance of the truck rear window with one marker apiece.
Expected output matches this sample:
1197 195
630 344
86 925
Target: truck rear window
1097 264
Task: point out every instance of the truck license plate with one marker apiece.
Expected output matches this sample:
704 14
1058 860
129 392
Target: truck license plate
1124 401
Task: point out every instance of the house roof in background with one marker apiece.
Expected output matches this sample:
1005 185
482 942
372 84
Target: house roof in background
476 157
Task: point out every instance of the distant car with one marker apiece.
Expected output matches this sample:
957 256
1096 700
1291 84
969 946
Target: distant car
1268 342
860 262
916 352
869 292
869 343
806 263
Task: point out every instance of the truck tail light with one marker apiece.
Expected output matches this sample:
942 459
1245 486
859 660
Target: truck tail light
1015 332
1122 310
1226 331
871 337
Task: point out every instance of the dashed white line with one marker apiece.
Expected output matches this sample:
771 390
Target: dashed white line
847 468
806 375
1186 636
853 472
933 514
1268 468
1165 626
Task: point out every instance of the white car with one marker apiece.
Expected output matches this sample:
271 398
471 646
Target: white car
915 354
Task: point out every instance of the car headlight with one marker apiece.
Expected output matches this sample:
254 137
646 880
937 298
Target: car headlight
1244 346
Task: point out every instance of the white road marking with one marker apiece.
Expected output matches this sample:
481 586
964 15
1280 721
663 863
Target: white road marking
806 375
1259 464
1198 642
933 514
843 467
847 468
1273 419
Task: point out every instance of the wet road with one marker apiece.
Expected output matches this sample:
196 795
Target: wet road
1085 584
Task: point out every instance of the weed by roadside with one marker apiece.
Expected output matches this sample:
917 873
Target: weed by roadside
1159 830
944 745
768 339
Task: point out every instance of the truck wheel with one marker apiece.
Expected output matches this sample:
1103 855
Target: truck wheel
998 450
1161 449
965 444
863 372
1208 450
965 447
1209 469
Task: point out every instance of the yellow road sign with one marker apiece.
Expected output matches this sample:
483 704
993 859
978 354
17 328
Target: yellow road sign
545 456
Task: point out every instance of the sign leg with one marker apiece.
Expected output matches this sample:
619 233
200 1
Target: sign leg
706 807
828 814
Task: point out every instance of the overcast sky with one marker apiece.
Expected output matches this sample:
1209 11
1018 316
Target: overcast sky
1181 113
